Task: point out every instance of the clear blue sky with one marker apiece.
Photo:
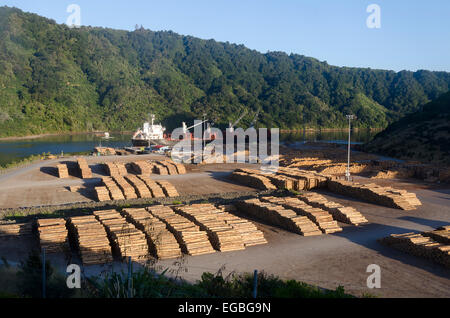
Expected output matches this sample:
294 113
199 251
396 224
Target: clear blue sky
413 35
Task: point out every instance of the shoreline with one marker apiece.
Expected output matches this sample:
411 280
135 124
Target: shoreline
328 129
13 138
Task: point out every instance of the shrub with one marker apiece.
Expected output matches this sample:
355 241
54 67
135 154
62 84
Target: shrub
29 279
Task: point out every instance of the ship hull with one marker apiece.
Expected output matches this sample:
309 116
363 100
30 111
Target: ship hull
152 142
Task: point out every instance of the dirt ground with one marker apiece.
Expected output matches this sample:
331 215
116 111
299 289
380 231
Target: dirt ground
327 260
38 185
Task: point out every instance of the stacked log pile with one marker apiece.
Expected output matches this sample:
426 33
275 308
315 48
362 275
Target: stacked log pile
249 232
279 216
307 179
221 235
15 230
181 169
323 219
441 235
114 190
105 151
52 234
121 168
171 169
85 171
141 168
293 161
192 240
169 190
126 239
420 245
63 172
115 169
102 194
111 169
155 189
283 181
253 180
161 241
160 169
386 196
284 178
340 213
90 239
139 186
127 190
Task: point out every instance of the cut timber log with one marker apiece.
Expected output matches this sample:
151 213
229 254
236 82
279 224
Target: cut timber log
249 232
171 168
419 245
127 190
306 180
52 235
222 236
168 188
279 216
321 218
181 169
63 172
154 188
191 239
161 241
111 169
121 168
386 196
90 239
126 239
114 190
141 168
15 230
441 235
85 171
139 186
292 178
253 180
340 213
160 169
175 168
102 194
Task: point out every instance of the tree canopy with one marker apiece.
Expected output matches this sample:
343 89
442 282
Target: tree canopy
423 135
57 79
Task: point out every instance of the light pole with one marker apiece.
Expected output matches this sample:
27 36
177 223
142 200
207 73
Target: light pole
350 118
204 133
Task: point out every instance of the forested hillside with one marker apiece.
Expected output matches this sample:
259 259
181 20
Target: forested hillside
423 135
53 78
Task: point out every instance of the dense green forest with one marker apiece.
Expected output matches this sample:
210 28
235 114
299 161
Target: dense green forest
423 135
53 78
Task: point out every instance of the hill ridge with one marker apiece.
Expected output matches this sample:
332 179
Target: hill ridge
57 79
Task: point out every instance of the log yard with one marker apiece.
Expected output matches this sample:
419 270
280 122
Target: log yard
219 157
306 221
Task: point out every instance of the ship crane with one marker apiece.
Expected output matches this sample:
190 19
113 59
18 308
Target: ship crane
252 124
231 126
186 129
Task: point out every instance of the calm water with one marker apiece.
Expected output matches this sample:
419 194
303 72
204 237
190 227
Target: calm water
14 150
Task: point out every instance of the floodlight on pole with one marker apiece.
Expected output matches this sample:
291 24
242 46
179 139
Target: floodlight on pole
204 133
350 118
